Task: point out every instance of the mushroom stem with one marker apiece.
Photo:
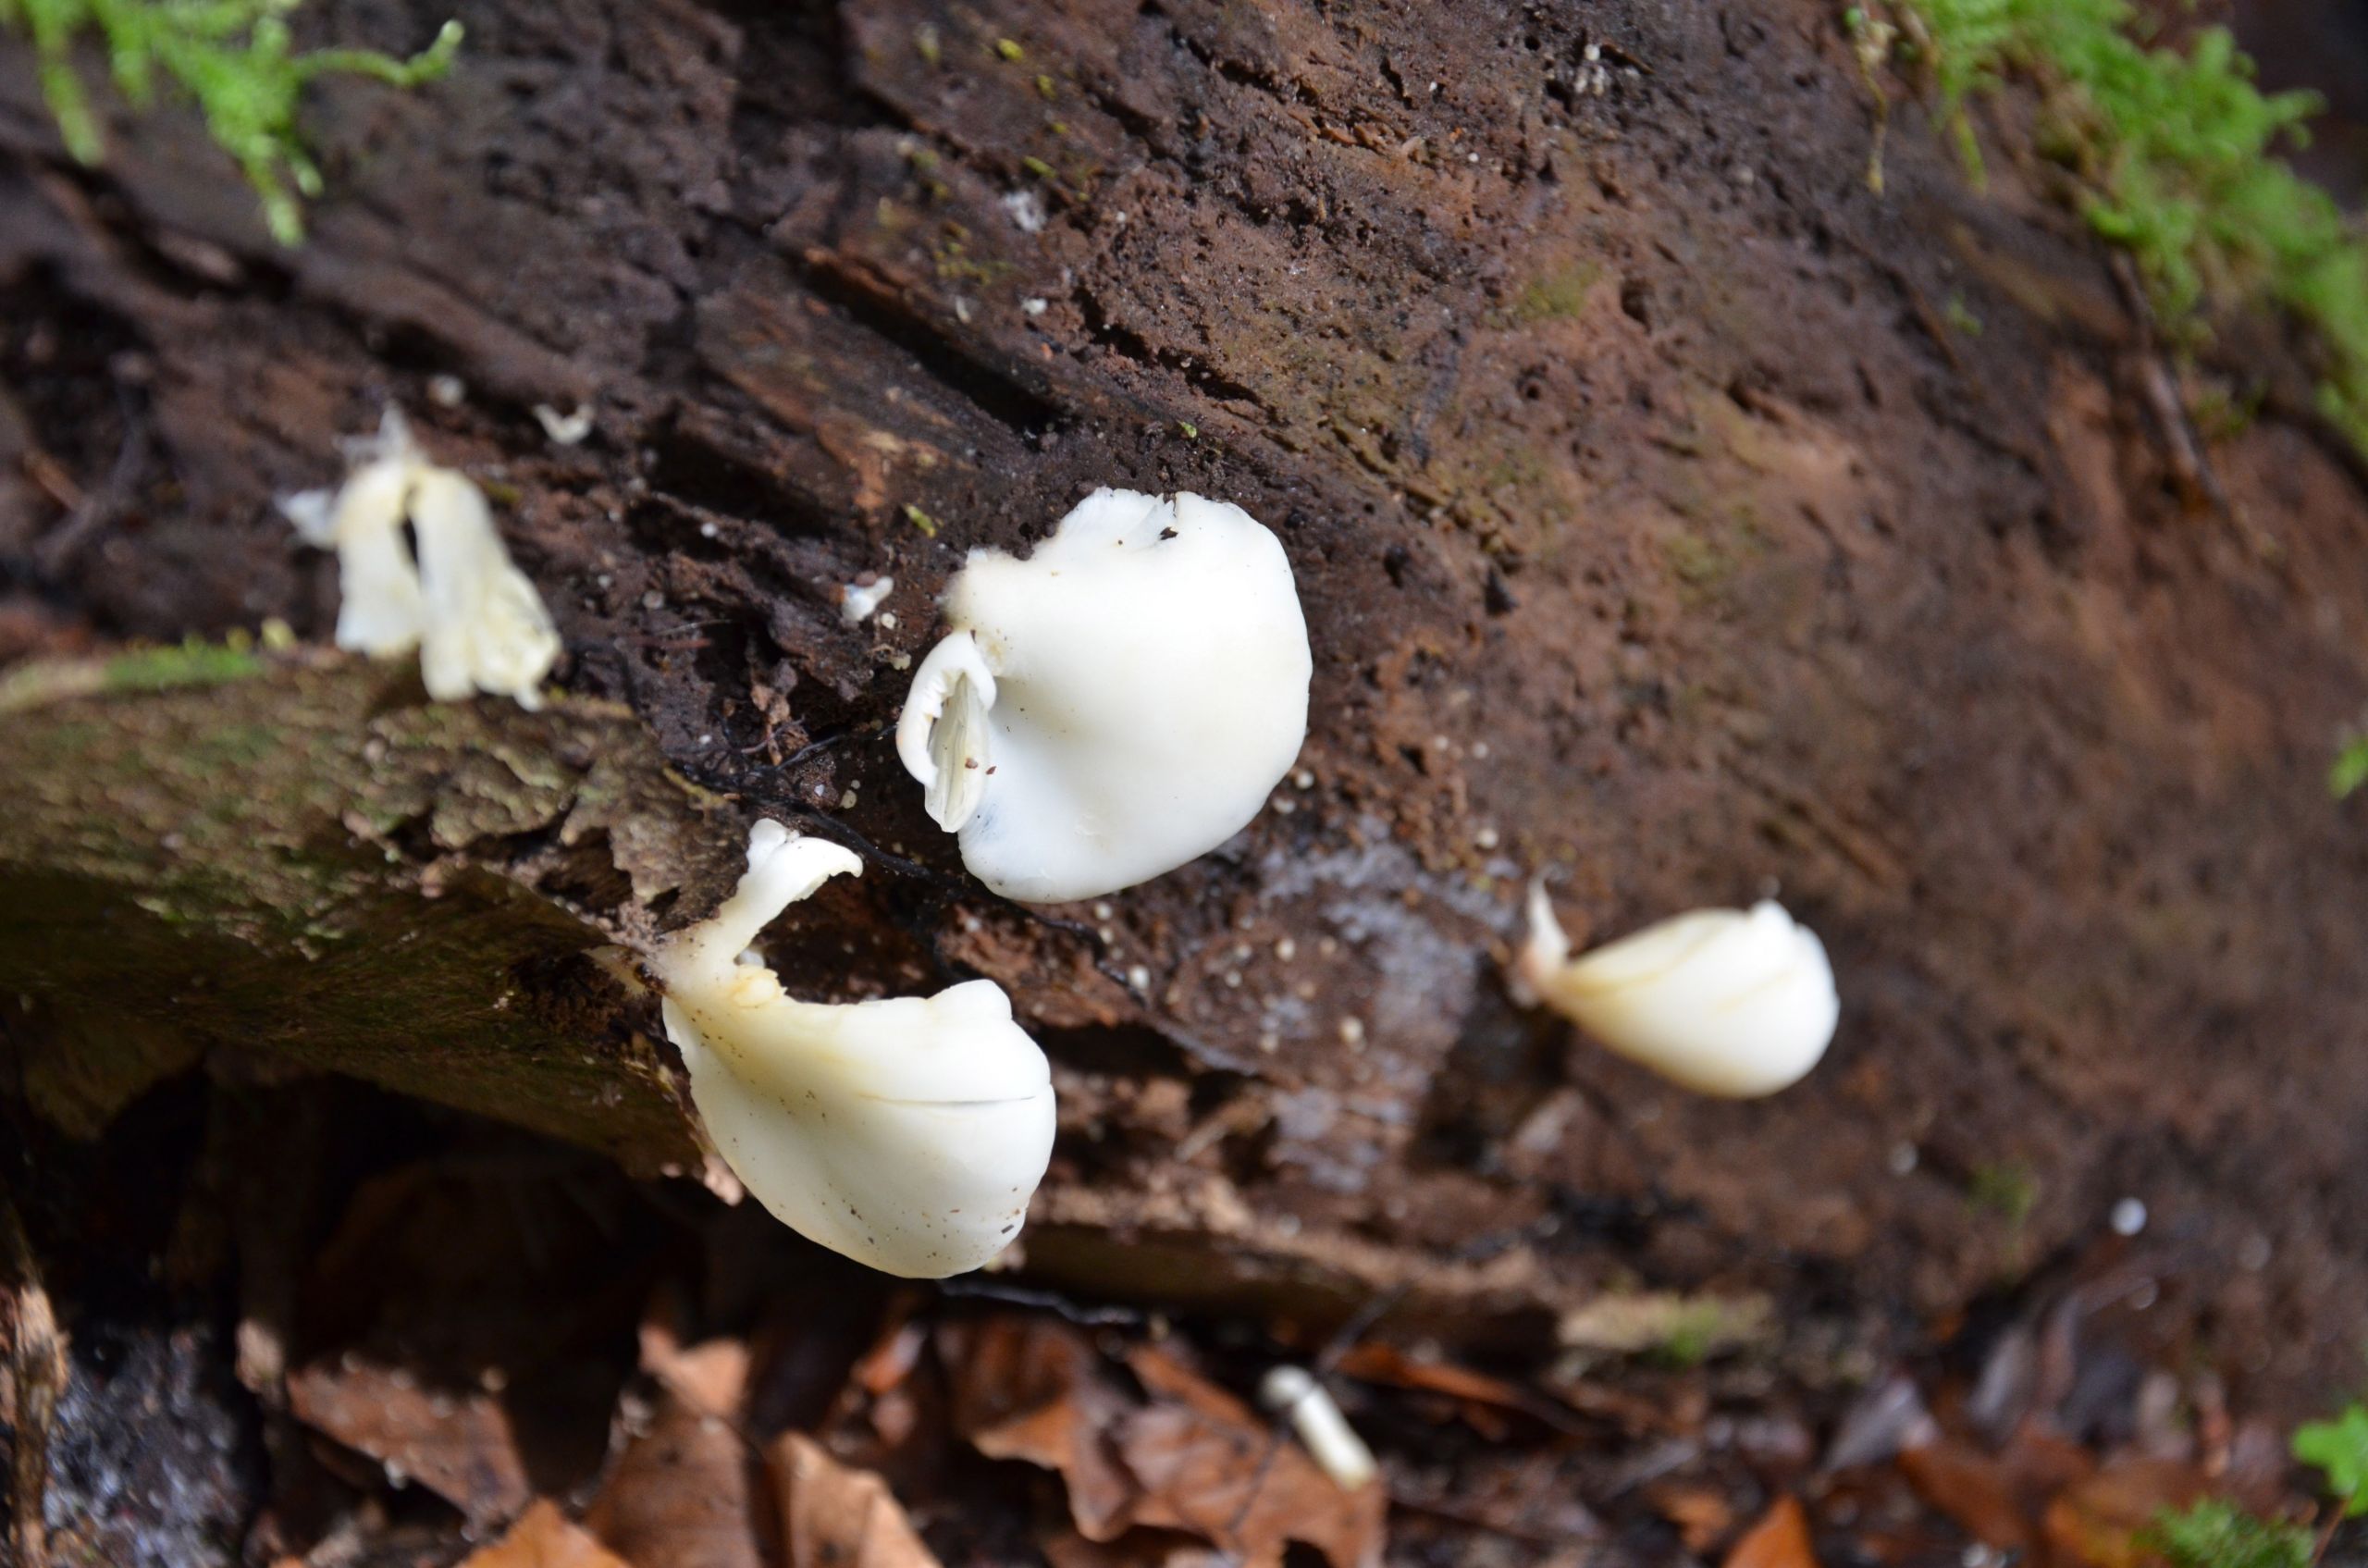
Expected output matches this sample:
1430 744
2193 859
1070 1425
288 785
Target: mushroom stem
784 869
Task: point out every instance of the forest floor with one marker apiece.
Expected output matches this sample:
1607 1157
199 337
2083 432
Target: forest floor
1675 516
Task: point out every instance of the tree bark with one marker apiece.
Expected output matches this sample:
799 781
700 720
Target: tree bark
1675 518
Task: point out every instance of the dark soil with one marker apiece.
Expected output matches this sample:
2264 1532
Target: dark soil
1673 516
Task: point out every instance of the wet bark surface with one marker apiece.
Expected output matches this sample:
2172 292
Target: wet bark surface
1675 519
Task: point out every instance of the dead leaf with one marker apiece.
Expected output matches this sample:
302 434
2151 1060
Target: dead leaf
681 1495
710 1376
1973 1489
1700 1514
1029 1390
1781 1539
458 1444
1373 1362
2095 1522
835 1517
1193 1458
543 1538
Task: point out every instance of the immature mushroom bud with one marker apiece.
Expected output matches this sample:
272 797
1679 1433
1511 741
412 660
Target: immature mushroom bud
1120 703
480 624
907 1133
1727 1002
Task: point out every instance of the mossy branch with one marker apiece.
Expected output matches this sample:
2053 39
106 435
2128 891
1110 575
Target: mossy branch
232 59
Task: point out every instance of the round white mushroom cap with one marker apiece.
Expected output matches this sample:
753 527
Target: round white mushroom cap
1116 704
908 1133
1727 1002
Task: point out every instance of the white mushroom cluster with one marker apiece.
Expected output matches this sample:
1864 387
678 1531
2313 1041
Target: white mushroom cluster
1734 1003
478 623
1116 704
908 1133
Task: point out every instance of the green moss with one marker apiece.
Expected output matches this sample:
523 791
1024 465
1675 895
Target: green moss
1558 297
2350 769
230 57
2213 1534
2007 1187
2175 156
194 663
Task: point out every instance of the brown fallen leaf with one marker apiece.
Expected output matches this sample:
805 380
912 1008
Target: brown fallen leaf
1781 1539
1701 1513
835 1517
458 1444
1972 1488
1191 1457
2095 1522
543 1538
710 1376
1210 1464
682 1495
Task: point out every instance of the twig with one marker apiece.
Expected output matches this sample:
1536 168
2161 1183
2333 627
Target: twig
2190 461
2327 1533
37 1360
97 508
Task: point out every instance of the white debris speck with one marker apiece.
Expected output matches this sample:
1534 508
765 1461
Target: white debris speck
1139 979
2129 1217
1287 950
1033 306
1486 838
962 309
1303 780
1352 1031
1903 1158
858 600
564 429
1025 209
708 530
1103 911
447 391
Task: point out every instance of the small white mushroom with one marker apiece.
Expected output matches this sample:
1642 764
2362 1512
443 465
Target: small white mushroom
908 1133
478 623
1727 1002
858 600
486 628
1120 703
1315 1416
379 611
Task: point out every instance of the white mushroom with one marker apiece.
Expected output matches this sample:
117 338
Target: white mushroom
1120 703
907 1133
486 628
1727 1002
480 624
1317 1418
379 600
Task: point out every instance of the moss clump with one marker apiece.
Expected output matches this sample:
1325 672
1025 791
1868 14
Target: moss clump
1560 297
2174 152
230 57
2214 1534
195 662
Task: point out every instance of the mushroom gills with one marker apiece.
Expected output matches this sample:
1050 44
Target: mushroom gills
958 745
